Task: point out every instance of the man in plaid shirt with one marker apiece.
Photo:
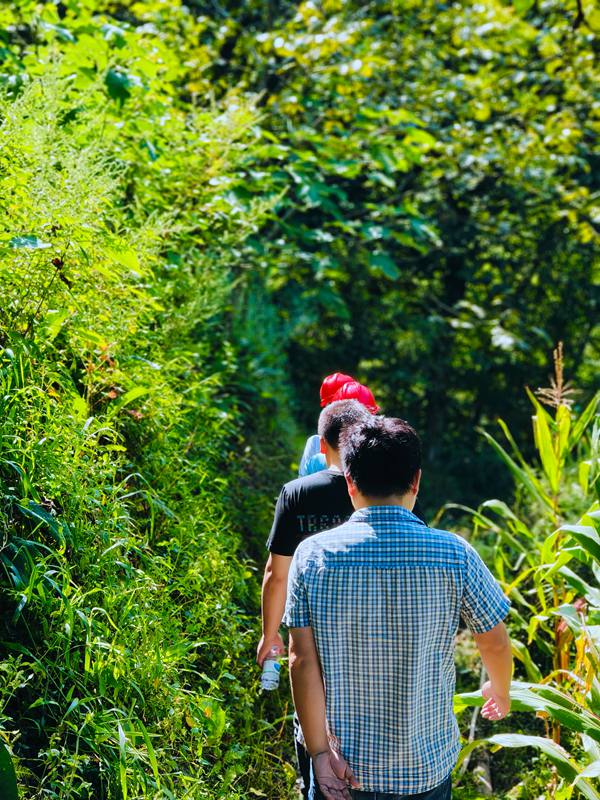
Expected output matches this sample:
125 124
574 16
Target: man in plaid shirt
373 609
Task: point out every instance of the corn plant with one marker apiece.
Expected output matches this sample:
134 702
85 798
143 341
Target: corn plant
550 569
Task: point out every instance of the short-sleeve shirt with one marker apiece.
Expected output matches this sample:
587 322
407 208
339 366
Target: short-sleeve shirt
384 596
312 459
306 506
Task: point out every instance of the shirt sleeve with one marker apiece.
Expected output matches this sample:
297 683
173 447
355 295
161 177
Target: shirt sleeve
283 538
311 448
484 604
297 613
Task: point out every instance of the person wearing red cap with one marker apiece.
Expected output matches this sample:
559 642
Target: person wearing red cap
337 386
331 385
353 390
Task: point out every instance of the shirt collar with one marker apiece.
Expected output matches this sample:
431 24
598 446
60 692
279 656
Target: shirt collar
372 514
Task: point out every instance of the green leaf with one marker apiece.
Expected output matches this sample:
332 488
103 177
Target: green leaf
523 6
8 778
122 760
524 475
543 440
587 537
591 593
591 771
581 423
126 257
541 697
38 513
563 421
79 406
571 616
565 764
420 136
584 475
129 397
54 321
545 443
61 33
119 84
214 719
113 33
521 651
151 753
382 262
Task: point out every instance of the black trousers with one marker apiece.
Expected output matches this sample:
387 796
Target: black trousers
441 792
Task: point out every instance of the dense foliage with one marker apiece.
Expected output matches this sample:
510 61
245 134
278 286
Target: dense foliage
439 228
550 569
203 209
122 449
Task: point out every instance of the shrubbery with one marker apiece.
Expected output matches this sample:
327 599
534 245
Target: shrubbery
204 208
127 656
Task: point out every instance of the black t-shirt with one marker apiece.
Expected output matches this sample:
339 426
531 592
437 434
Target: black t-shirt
306 506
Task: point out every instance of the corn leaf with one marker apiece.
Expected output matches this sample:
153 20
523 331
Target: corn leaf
524 475
587 537
584 419
521 652
8 778
545 448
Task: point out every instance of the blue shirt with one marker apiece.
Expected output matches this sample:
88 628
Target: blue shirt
312 459
384 595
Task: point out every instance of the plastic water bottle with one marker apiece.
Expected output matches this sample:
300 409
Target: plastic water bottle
269 678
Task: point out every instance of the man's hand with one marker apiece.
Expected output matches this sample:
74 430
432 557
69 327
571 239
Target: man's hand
264 647
496 706
333 775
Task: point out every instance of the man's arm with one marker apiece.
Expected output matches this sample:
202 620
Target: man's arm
495 650
331 770
274 590
308 690
483 608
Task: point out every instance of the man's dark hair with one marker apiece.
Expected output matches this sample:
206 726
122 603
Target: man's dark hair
337 416
382 455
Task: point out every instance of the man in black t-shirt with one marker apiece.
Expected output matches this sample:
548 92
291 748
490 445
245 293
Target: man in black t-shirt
305 506
308 505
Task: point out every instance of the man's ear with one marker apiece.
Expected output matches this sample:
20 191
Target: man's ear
352 490
414 487
323 445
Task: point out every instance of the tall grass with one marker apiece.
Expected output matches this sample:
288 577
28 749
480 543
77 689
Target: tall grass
126 630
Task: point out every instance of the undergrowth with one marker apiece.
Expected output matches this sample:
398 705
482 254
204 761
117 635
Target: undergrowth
128 604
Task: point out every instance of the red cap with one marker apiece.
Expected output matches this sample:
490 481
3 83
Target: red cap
332 384
353 390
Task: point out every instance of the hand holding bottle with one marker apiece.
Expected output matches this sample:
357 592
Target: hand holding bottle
269 679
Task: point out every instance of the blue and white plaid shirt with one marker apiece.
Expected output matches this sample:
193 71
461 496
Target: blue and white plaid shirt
384 594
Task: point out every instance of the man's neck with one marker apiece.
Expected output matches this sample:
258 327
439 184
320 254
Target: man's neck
333 460
403 501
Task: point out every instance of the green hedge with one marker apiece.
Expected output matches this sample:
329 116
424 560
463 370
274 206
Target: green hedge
131 383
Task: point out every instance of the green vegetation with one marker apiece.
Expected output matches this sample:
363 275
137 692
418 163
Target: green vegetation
439 229
120 418
204 208
550 570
